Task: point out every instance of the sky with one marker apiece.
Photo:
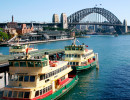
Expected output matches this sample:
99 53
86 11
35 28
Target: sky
42 10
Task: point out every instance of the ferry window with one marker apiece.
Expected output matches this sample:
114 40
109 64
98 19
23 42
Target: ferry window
73 63
44 91
77 48
11 63
44 63
53 72
16 78
15 94
41 92
69 48
20 78
16 64
69 55
38 64
70 63
48 88
66 48
77 63
75 56
10 94
5 93
66 55
32 78
30 64
26 78
37 93
23 64
20 95
73 48
78 56
12 77
72 55
81 48
46 76
26 94
42 77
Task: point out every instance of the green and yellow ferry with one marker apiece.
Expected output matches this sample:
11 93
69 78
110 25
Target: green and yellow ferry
80 57
37 78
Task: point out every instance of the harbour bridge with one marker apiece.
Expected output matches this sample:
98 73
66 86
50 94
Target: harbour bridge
101 16
88 16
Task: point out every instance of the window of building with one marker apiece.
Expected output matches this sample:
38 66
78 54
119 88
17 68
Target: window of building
16 64
38 64
15 94
26 78
73 63
10 94
20 95
70 63
26 94
66 55
46 89
73 48
30 64
32 78
72 55
37 93
20 78
78 56
23 64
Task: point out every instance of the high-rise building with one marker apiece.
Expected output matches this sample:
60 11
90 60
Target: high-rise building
55 18
64 21
125 24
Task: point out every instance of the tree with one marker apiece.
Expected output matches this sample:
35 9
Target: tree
3 36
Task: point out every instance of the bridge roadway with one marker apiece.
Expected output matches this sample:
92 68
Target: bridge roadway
4 64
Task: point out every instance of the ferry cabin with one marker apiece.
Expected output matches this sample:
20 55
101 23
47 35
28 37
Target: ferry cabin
20 49
79 55
33 79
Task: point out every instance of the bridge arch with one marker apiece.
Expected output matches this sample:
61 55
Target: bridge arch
79 15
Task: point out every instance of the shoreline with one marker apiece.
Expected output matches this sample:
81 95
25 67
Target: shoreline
34 42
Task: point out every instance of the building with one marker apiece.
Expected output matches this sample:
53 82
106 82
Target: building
64 21
24 29
12 24
55 18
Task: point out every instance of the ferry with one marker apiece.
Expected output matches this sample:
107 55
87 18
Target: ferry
80 57
20 49
38 78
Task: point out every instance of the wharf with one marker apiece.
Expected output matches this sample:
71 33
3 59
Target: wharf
33 42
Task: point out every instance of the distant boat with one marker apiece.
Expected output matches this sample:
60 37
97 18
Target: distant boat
116 35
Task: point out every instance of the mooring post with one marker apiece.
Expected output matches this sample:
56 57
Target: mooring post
5 78
97 66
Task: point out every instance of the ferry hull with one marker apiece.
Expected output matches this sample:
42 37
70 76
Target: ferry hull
62 91
79 68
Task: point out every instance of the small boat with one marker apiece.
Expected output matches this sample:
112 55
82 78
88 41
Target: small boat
37 78
80 57
116 35
20 49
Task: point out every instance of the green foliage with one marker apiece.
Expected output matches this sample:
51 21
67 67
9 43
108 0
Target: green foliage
3 35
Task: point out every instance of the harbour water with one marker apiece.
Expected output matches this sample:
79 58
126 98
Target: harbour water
112 80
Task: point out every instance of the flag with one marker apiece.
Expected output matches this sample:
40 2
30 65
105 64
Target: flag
86 45
26 50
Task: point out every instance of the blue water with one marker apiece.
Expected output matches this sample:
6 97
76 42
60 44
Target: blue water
112 80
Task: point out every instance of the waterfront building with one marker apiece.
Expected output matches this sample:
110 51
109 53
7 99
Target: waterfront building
24 29
12 24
